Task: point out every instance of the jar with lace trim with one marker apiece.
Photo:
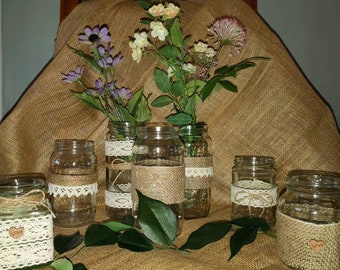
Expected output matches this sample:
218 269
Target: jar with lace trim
158 168
26 225
254 188
308 220
73 182
198 169
118 152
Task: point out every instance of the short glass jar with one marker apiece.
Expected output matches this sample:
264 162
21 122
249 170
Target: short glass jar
26 225
73 182
158 168
198 169
254 188
308 220
118 152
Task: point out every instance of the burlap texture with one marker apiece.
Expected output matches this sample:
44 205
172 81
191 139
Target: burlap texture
275 113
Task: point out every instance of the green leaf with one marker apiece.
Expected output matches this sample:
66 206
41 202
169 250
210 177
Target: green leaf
79 266
62 264
179 119
191 105
178 88
251 222
176 34
208 233
162 80
209 87
135 241
134 100
194 86
64 243
156 220
228 85
240 238
169 52
89 100
117 226
161 101
145 4
129 220
100 235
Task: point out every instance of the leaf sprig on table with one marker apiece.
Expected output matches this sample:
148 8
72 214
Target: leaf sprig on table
157 230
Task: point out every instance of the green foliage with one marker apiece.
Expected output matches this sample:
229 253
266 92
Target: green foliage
64 243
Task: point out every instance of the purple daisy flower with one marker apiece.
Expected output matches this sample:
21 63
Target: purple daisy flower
95 35
73 75
122 93
107 62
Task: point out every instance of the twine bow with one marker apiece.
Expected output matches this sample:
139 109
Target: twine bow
121 166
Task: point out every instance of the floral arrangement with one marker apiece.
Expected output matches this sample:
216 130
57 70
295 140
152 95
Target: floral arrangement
189 74
118 104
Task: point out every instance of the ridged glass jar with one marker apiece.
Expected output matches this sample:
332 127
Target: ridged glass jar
158 168
72 182
118 152
198 169
254 188
308 220
26 225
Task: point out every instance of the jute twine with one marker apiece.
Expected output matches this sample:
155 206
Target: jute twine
198 182
120 165
163 182
35 197
306 245
72 180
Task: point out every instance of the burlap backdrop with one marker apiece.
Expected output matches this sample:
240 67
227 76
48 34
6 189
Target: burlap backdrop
276 111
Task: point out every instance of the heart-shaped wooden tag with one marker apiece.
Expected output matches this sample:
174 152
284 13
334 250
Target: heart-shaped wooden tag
316 245
16 233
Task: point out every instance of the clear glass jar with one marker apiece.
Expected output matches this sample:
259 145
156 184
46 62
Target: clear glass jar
308 220
73 182
26 225
254 188
198 169
158 169
118 152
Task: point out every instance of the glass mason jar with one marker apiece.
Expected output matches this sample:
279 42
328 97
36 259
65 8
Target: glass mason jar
26 224
158 168
118 152
73 182
308 220
254 188
198 169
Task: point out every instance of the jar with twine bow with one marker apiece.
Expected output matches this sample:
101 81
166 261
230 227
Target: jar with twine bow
26 224
158 169
118 152
254 188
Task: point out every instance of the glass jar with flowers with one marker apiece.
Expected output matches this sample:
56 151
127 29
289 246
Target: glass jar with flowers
123 108
187 76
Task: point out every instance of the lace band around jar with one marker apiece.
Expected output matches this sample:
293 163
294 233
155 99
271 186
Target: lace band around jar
198 172
118 148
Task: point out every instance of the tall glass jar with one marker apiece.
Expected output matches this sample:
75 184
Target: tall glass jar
308 221
118 152
254 188
73 182
158 168
198 169
26 225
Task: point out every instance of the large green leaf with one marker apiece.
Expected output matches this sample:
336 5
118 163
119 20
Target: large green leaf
100 235
79 266
156 220
62 264
251 222
169 52
117 226
135 241
190 107
161 101
64 243
176 34
179 119
178 88
242 237
209 87
228 85
208 233
162 80
145 4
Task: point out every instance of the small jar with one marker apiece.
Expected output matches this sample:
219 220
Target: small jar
254 188
73 182
308 220
118 151
158 168
26 225
198 169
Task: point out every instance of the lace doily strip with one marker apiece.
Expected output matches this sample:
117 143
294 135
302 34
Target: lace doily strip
72 180
118 199
118 148
120 188
25 230
199 172
306 245
164 183
254 197
77 191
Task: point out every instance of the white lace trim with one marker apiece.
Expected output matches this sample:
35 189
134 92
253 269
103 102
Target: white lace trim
118 148
70 191
118 199
26 242
255 193
199 172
